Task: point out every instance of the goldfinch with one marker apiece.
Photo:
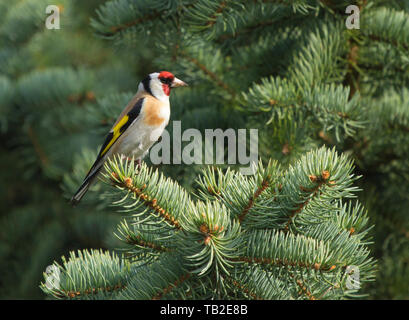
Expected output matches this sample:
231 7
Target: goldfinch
138 126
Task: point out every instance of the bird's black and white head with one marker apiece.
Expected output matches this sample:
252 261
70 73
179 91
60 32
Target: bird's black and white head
159 84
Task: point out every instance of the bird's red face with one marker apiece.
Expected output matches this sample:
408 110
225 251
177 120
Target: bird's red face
168 81
159 84
166 78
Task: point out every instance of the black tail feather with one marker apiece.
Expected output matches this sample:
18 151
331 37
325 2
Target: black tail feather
80 193
82 190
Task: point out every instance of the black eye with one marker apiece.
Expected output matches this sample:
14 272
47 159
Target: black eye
166 80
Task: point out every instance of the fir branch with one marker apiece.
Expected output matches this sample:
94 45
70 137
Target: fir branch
166 278
89 274
304 289
207 72
148 17
285 263
212 18
264 185
256 282
163 201
272 248
140 242
63 84
171 287
91 291
319 181
211 239
109 27
387 25
248 29
244 288
145 241
390 41
214 182
127 183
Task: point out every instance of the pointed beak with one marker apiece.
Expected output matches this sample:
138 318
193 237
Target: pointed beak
178 83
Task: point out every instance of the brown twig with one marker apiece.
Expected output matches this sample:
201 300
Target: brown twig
141 242
37 147
148 201
244 289
73 294
304 290
170 287
286 263
260 189
313 192
220 9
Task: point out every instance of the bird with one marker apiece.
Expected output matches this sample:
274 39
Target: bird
138 127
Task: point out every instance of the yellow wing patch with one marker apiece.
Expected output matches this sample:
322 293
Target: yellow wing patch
116 133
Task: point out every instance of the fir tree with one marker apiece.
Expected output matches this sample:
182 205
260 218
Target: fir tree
276 235
330 104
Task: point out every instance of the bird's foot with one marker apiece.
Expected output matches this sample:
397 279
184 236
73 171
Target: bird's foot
138 164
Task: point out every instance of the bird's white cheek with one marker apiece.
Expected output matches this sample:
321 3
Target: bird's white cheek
157 91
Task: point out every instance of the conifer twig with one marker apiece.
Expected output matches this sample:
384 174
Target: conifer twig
147 201
313 192
89 291
139 241
285 263
37 147
171 286
209 73
259 191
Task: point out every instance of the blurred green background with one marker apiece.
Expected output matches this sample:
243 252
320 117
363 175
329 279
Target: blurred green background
59 74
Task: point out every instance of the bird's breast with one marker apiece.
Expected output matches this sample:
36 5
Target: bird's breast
156 113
